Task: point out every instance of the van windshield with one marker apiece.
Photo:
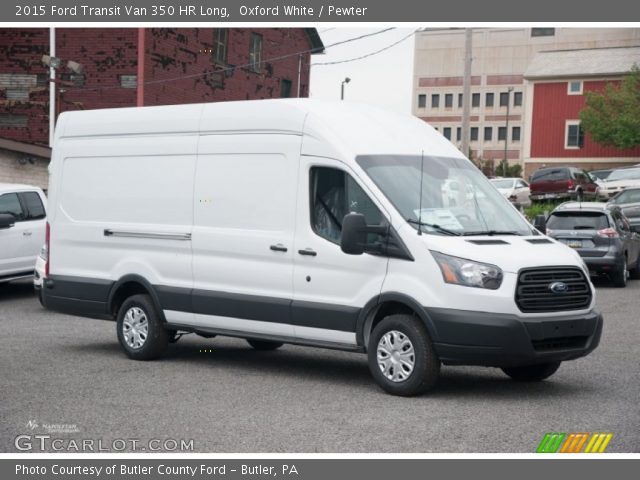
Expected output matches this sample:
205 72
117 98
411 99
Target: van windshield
457 199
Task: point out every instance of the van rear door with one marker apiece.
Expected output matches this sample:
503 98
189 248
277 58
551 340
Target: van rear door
331 287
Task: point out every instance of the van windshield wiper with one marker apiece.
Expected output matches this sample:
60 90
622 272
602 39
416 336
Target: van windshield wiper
436 227
492 232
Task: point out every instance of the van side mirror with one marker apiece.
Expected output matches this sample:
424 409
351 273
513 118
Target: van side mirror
540 223
354 234
7 221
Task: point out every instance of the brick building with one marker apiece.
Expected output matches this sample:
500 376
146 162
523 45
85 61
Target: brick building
556 83
500 57
128 66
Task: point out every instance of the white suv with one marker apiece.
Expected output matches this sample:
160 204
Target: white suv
22 230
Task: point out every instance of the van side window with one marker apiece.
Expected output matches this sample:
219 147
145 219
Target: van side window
9 203
334 193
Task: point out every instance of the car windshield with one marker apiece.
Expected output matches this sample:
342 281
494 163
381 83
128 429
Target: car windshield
503 183
624 174
456 197
601 174
627 196
577 221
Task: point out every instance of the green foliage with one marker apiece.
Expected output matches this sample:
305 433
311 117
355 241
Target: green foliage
540 209
510 170
613 116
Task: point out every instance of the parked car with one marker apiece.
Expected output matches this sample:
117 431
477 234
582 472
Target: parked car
558 183
516 190
22 229
601 174
316 223
602 235
620 179
629 201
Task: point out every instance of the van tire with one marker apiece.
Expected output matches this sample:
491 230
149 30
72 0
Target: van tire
532 373
157 337
620 276
264 344
426 368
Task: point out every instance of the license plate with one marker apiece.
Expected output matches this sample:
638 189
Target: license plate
549 195
573 243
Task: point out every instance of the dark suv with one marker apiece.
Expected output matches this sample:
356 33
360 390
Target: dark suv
601 234
562 183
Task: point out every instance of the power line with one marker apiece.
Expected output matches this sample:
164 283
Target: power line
368 54
235 67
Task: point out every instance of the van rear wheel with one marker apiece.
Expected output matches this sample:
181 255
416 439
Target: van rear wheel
402 359
140 331
532 373
264 344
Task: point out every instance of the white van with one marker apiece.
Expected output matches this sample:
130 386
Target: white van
22 230
306 222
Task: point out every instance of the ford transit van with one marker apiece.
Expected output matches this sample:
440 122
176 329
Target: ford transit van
314 223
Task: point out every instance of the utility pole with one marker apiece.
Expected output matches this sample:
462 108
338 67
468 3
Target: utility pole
345 81
506 133
466 92
52 85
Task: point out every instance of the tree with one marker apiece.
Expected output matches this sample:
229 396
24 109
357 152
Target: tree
612 117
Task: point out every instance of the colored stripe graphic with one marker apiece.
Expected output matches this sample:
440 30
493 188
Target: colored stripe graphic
554 442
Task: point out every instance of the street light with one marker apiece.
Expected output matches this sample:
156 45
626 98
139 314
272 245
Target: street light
506 132
346 80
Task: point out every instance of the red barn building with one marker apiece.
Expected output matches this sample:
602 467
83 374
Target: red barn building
556 85
123 67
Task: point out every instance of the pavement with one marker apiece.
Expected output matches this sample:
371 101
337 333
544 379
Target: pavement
65 378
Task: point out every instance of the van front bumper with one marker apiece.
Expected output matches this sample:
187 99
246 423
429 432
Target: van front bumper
498 340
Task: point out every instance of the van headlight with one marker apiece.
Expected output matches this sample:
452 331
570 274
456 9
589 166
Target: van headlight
460 271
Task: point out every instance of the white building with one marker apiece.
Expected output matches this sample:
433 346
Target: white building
500 57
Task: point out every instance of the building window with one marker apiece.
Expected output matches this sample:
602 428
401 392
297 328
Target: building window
543 32
574 135
502 134
129 81
474 134
515 134
504 99
435 101
488 134
517 99
446 131
255 52
459 100
220 45
11 120
574 88
475 100
285 88
488 100
448 100
422 101
459 133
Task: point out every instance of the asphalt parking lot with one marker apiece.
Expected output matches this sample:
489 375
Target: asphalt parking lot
59 370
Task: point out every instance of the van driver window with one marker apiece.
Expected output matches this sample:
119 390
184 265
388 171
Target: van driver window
334 193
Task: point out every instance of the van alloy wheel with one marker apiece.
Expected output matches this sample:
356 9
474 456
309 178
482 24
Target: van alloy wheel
135 327
396 356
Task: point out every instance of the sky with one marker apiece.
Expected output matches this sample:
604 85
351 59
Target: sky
384 79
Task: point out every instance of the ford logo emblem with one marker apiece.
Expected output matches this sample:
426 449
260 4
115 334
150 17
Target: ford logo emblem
559 287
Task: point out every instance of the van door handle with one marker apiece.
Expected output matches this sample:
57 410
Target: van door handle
278 248
308 252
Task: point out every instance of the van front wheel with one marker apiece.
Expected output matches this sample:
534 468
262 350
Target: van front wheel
401 356
140 331
532 373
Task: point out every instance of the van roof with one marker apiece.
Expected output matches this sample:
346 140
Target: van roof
354 128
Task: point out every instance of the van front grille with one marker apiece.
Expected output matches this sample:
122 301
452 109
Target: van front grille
534 293
560 343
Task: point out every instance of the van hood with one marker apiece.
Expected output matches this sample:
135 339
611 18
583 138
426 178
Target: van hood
510 253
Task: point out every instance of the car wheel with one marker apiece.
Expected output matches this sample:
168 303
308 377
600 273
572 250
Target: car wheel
402 359
621 275
635 273
264 344
532 373
140 331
